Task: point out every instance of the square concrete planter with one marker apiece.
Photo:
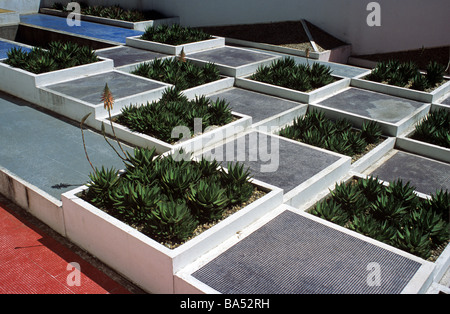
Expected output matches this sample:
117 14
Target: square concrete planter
313 96
388 128
75 108
430 97
25 85
141 259
139 26
246 61
195 144
137 42
406 143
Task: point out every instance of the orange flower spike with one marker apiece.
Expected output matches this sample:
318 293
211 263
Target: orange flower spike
107 98
182 56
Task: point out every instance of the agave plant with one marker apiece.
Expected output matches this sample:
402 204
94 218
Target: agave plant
286 73
331 210
435 73
174 35
171 221
435 128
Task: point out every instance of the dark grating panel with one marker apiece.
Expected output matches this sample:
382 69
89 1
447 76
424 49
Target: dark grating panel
292 254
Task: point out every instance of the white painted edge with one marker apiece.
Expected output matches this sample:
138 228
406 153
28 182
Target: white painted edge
316 95
135 41
402 92
243 70
33 200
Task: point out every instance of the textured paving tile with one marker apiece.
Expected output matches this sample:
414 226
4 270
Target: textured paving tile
125 55
372 105
89 29
48 152
90 88
425 174
292 254
256 105
230 56
278 162
32 262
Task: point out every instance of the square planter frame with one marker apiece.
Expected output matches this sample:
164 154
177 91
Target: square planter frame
402 92
139 26
137 42
25 85
141 259
313 96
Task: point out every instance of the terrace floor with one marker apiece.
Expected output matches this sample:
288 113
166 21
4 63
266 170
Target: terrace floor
290 252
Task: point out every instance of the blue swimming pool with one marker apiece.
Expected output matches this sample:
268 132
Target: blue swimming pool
89 29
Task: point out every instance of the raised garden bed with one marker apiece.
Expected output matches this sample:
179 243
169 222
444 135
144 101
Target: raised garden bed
394 114
430 137
390 213
174 39
299 82
53 66
404 79
200 122
181 73
338 136
152 263
115 16
233 61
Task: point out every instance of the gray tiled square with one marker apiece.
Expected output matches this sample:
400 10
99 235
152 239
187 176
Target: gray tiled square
292 254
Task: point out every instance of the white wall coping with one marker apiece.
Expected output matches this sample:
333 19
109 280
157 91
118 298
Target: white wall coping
137 42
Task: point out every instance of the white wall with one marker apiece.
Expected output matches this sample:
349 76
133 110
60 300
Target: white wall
405 24
21 6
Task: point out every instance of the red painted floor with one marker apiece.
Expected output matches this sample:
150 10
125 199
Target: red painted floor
32 262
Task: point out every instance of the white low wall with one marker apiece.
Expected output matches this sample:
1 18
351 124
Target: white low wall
405 24
22 6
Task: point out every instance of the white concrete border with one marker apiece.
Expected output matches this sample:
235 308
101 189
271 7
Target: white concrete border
142 260
25 85
137 42
243 70
193 145
431 97
185 283
314 96
76 109
139 26
35 201
388 128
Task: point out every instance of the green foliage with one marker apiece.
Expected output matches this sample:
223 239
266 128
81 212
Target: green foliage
159 118
115 12
407 74
301 77
391 214
435 128
58 56
174 35
435 73
338 136
167 198
183 75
